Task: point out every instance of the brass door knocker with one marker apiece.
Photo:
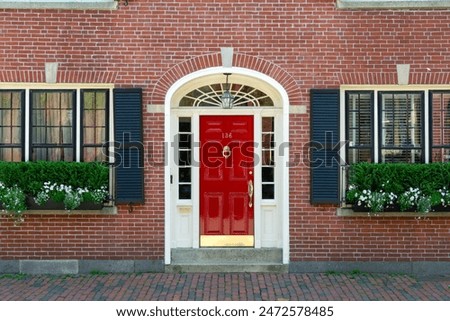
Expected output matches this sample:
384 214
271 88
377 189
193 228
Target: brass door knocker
226 152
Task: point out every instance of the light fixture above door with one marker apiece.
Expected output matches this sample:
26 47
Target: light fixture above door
227 98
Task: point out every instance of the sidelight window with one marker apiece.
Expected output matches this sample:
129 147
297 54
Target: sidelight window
268 158
184 139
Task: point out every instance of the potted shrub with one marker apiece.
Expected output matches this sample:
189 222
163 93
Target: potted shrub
52 185
399 187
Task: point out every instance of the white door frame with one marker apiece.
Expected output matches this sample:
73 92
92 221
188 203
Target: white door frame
284 157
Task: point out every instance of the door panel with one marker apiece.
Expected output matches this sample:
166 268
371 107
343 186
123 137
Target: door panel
213 205
226 174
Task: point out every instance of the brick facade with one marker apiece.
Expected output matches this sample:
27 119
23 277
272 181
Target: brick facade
301 44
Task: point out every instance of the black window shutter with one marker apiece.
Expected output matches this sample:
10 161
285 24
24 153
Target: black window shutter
129 147
324 146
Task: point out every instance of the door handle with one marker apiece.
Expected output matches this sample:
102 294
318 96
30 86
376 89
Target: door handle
250 193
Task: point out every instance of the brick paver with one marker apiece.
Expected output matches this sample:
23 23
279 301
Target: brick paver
223 286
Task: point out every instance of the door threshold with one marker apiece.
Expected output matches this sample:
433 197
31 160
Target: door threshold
227 240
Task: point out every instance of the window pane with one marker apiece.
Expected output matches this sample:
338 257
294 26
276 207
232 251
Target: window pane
184 138
89 118
95 124
185 175
89 135
184 192
268 140
268 191
401 127
267 157
401 156
52 154
94 154
6 135
440 155
359 155
440 126
268 124
184 125
359 106
11 154
267 174
184 141
11 125
52 130
185 158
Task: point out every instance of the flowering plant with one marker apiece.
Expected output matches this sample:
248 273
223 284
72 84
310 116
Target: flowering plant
444 196
78 182
13 201
374 201
409 198
412 199
405 186
71 197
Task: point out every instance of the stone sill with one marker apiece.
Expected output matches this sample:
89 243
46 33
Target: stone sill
107 210
398 4
68 5
348 212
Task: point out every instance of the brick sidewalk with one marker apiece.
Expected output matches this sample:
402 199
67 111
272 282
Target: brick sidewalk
222 286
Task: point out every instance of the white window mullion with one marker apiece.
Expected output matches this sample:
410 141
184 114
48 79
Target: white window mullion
426 127
78 126
27 125
375 127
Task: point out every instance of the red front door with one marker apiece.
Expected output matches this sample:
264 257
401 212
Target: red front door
226 181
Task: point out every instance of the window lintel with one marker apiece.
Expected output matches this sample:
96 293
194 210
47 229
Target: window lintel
60 4
393 4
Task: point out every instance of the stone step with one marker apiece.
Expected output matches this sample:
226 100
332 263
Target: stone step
227 260
236 268
227 256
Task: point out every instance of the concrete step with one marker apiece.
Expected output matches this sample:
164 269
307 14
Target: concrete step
236 268
227 260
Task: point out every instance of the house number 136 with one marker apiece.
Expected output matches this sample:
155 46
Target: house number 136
227 135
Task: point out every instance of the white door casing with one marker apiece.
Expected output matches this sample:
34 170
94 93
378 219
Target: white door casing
271 216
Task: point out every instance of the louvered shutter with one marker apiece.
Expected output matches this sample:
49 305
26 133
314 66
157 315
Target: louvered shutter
324 146
129 148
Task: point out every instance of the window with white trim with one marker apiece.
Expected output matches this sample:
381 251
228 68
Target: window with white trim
184 158
401 127
59 127
402 134
359 109
268 158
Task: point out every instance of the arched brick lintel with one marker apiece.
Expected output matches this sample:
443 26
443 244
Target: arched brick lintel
214 60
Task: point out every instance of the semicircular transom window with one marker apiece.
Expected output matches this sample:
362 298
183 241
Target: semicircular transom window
211 96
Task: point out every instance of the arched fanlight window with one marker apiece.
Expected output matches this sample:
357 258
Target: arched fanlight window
211 96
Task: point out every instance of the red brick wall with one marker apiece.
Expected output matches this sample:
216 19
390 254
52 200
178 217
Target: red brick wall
150 44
